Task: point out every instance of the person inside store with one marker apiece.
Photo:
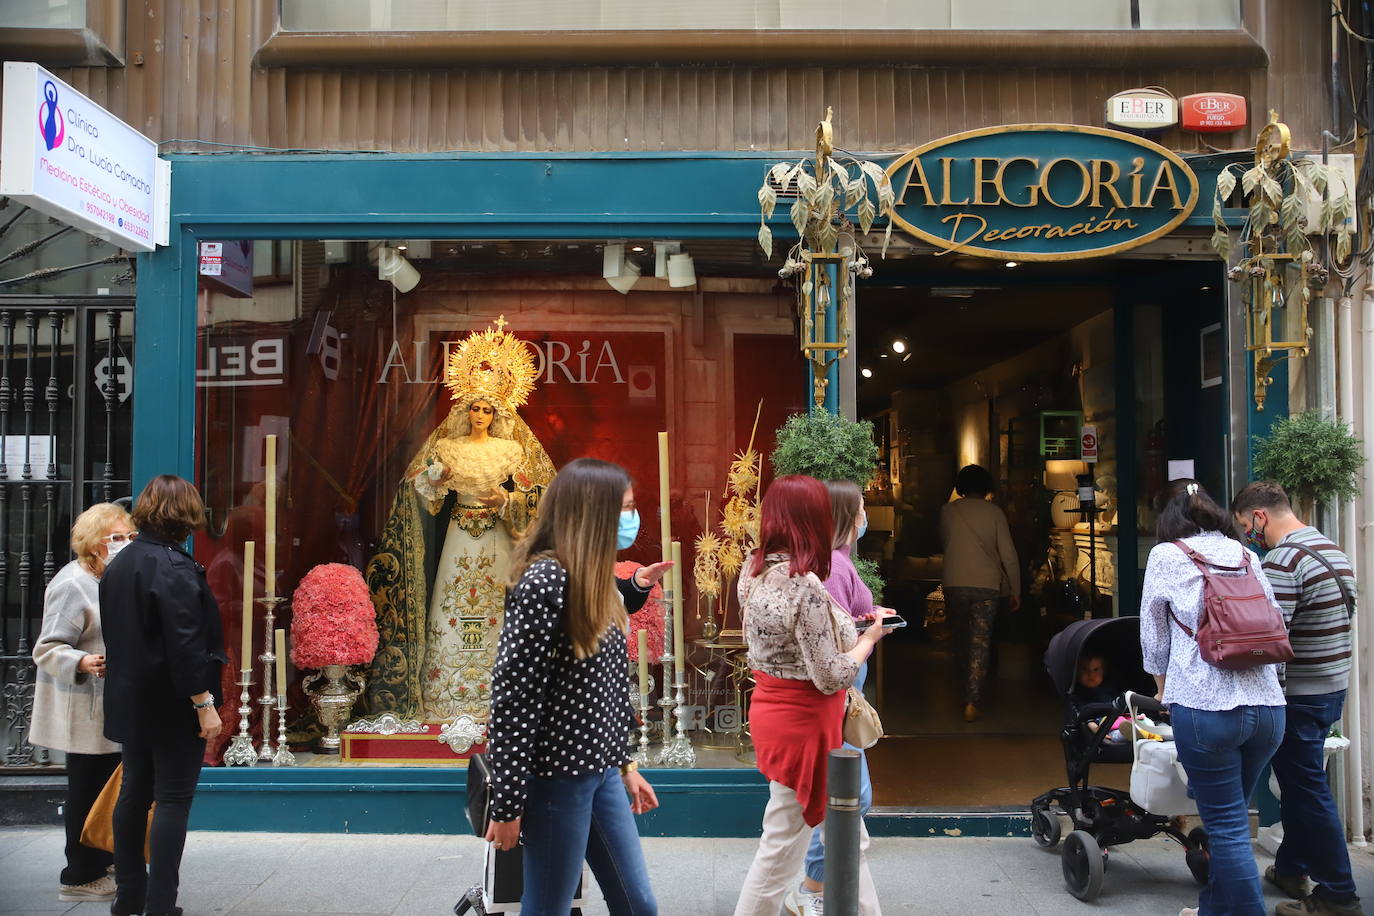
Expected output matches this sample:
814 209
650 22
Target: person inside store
805 653
1314 583
560 707
1227 722
438 575
164 651
980 569
852 595
68 711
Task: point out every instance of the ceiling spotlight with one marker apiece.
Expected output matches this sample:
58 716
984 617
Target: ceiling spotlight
681 271
401 246
1011 264
637 248
866 372
899 346
393 266
882 356
1205 288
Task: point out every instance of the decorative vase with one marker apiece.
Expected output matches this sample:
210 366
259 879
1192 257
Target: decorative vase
710 629
334 701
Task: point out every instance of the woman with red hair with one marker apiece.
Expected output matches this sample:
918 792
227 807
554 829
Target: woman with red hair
805 653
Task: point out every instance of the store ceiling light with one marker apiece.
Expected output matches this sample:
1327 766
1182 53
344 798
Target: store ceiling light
1011 264
899 346
866 372
394 267
682 271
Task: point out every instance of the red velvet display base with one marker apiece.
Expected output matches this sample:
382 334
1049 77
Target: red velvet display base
420 748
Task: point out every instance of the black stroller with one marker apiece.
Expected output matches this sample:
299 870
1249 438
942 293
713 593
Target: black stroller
1101 817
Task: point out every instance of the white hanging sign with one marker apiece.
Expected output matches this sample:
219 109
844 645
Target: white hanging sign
65 156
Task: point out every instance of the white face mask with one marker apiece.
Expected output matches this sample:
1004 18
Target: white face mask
114 547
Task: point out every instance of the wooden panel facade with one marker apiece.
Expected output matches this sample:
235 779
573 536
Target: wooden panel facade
190 75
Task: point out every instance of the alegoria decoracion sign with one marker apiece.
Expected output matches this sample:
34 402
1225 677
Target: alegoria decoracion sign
1041 192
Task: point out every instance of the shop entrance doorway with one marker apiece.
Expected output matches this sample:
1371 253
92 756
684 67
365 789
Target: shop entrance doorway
973 363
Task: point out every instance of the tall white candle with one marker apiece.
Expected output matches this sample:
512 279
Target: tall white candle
269 557
281 662
643 667
246 652
664 524
679 652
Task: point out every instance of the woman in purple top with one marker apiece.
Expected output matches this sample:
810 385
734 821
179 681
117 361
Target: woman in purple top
850 593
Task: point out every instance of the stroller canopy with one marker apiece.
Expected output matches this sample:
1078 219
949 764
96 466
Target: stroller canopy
1116 639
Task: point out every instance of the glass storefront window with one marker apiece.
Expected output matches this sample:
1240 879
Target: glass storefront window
43 256
45 14
733 15
302 340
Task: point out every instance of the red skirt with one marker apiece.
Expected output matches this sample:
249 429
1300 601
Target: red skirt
795 727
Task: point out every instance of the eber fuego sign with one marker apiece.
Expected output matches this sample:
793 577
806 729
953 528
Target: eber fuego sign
1041 192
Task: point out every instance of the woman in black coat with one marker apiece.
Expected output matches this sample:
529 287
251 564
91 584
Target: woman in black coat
164 647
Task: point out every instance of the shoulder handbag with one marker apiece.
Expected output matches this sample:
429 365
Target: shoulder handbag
862 725
1348 598
98 830
478 806
1238 627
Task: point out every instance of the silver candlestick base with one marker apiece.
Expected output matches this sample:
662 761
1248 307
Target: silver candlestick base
241 752
641 756
679 751
283 757
268 658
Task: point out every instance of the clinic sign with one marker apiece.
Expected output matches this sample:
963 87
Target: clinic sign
65 156
1041 192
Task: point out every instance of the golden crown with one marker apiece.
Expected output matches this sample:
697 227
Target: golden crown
494 366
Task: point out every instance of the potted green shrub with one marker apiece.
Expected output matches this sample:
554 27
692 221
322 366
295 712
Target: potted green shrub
1318 461
826 446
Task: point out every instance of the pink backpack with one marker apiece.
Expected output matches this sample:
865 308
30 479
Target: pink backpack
1238 626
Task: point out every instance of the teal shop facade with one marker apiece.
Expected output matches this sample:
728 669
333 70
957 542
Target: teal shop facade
471 196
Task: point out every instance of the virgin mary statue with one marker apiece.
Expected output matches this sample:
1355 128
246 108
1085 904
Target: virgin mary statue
438 578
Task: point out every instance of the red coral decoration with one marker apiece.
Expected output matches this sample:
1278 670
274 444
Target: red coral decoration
649 617
334 622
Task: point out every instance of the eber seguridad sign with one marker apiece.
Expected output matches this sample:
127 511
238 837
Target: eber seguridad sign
1041 192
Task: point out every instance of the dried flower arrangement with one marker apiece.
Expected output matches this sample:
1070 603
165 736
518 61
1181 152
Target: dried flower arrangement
334 622
719 558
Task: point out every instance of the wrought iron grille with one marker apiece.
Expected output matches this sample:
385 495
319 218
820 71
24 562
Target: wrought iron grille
66 409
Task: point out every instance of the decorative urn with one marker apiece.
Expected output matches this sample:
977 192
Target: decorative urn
334 627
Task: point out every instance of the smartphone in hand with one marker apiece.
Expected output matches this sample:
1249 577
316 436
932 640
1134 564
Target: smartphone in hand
895 622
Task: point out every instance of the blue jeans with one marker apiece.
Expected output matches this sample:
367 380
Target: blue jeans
815 853
1313 836
1223 753
569 818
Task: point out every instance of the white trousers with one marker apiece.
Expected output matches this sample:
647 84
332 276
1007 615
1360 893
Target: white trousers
782 852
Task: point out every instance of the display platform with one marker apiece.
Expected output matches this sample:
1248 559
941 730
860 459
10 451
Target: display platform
419 745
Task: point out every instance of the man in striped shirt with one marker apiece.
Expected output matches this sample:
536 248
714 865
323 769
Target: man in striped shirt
1318 618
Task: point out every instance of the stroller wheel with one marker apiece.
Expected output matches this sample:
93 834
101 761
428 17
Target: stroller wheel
1198 857
1045 828
1083 865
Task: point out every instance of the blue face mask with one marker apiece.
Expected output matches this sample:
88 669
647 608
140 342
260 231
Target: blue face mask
863 528
629 529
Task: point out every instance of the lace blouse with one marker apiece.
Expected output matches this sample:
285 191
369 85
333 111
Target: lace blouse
790 624
1174 581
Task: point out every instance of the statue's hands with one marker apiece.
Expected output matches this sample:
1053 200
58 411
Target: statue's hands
436 472
494 500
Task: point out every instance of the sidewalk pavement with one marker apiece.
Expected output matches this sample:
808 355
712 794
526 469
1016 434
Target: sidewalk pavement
423 875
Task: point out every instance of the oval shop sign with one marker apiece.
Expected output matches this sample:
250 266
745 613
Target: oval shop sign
1041 192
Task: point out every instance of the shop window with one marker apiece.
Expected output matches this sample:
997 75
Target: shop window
63 32
734 15
339 349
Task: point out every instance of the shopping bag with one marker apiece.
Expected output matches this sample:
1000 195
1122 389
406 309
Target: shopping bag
1158 782
98 831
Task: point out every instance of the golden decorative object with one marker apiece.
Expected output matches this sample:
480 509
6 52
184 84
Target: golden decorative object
493 366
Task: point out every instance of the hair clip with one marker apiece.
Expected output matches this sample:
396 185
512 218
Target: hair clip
1192 489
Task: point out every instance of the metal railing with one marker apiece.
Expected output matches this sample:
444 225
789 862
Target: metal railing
66 385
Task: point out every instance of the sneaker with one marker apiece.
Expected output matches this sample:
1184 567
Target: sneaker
102 888
802 902
1188 911
1317 905
1295 886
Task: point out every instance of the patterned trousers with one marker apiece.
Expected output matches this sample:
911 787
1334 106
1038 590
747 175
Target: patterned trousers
972 612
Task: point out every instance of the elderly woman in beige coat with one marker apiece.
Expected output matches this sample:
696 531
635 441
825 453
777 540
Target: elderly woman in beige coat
68 700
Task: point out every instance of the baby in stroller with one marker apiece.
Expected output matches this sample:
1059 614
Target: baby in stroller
1096 667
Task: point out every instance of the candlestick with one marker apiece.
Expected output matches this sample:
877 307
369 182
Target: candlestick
679 751
664 522
268 699
281 664
246 650
241 752
270 551
679 631
283 757
641 756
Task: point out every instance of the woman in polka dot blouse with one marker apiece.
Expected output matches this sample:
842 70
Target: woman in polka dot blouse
560 707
